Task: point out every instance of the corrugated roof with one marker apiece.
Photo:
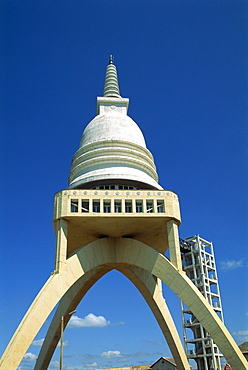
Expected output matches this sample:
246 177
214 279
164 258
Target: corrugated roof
141 367
171 360
244 347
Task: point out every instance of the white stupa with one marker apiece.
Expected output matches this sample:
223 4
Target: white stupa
112 149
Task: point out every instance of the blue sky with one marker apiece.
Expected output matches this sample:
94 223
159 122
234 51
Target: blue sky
183 64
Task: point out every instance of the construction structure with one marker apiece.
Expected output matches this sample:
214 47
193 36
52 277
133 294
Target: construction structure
199 264
115 215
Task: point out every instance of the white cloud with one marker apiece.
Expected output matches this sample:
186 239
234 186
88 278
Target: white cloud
241 332
122 360
90 365
137 354
118 323
54 365
243 338
89 321
231 264
88 355
38 342
152 343
111 354
29 357
242 335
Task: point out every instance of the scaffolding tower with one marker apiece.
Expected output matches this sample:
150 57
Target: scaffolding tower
199 264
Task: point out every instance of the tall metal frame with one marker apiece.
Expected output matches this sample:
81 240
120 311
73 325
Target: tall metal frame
199 264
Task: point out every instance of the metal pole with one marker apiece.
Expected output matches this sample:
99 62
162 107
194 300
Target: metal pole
61 344
61 339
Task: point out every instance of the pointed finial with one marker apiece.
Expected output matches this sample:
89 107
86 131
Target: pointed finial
111 86
111 59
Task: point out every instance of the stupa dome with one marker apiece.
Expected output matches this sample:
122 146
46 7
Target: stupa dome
112 126
112 149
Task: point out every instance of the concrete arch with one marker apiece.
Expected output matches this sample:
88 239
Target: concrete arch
149 287
111 253
68 303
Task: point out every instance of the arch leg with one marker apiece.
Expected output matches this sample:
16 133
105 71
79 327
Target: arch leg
68 303
53 290
151 289
139 254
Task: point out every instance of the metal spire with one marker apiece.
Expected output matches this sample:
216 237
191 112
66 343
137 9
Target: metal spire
111 86
111 59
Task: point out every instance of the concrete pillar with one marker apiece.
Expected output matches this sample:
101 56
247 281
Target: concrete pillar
101 205
173 242
61 244
123 205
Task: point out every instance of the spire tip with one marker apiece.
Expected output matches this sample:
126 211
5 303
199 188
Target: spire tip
111 59
111 86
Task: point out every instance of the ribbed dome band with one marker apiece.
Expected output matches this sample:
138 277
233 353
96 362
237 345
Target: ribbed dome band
111 87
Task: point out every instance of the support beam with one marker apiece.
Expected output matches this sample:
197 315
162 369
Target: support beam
173 242
151 289
67 304
61 244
